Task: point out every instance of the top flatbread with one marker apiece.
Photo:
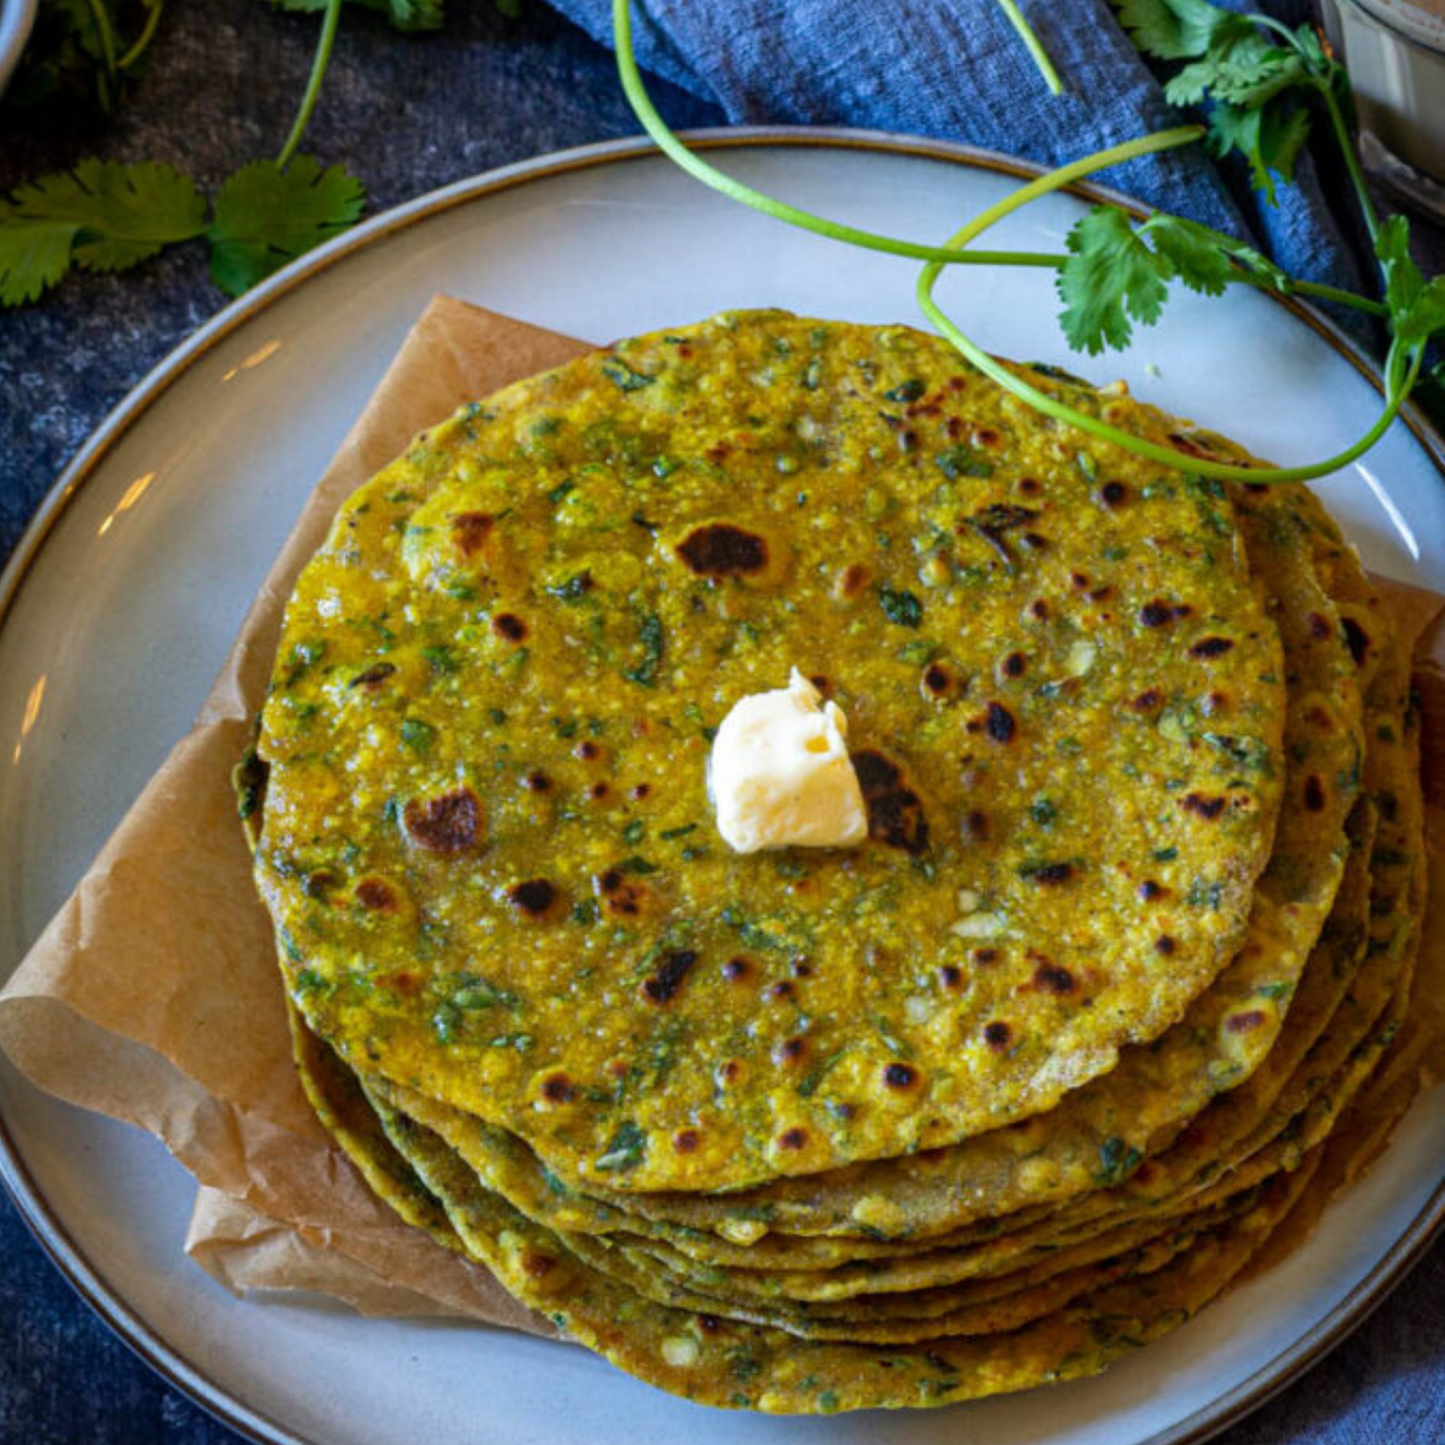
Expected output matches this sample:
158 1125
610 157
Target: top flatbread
487 845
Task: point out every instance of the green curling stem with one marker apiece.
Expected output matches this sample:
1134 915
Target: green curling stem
699 169
1139 446
319 62
153 18
1291 287
1035 47
1352 161
106 35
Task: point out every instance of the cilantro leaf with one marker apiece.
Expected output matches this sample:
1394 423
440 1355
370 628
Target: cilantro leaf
266 217
102 216
408 15
1198 255
1417 306
1270 139
34 255
1117 273
1253 82
1110 276
1178 29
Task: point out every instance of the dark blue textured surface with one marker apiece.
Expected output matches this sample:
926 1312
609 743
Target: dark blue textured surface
408 116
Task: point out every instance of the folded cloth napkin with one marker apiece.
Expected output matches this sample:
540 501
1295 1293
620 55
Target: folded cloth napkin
956 70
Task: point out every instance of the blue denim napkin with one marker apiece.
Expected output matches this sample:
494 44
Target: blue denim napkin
955 70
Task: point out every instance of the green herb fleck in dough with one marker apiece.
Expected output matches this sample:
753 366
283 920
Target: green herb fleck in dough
901 607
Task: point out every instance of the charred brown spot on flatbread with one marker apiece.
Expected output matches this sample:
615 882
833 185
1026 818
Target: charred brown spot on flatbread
895 811
1211 647
449 823
1203 806
999 723
536 898
1050 978
557 1088
666 980
621 896
997 1035
470 532
721 549
792 1050
377 895
1242 1023
374 676
1159 613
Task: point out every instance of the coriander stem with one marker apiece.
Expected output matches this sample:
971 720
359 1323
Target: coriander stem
319 63
106 34
668 143
107 52
143 40
1064 175
1035 46
1352 160
1313 288
1139 446
1278 26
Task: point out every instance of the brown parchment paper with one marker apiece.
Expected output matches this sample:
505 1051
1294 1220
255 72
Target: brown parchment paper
247 1250
153 996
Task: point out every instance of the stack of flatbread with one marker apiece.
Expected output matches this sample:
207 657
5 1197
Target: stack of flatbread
1019 1082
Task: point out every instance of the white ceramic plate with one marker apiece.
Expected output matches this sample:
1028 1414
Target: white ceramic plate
125 595
16 18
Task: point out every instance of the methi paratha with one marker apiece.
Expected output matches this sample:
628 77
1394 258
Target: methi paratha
1148 1191
506 1166
342 1107
938 1269
561 1027
1220 1042
1316 1043
988 1307
726 1363
486 740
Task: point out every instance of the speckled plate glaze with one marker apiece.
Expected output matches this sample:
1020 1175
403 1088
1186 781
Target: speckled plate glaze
123 598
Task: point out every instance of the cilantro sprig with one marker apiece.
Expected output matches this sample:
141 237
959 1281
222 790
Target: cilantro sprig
100 216
1256 71
104 216
1264 85
1118 271
267 214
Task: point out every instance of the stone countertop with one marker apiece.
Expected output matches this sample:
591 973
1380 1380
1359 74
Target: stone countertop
408 114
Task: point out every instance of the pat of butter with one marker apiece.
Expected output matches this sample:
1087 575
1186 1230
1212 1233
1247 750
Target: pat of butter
780 776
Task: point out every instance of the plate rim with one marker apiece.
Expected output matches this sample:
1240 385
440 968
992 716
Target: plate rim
171 1363
17 19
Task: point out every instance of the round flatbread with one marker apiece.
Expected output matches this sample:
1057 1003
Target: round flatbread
487 843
